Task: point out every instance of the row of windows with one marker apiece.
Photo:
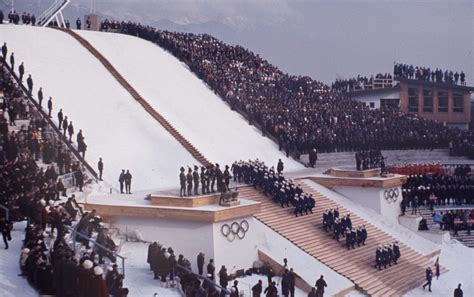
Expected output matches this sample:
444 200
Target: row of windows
413 100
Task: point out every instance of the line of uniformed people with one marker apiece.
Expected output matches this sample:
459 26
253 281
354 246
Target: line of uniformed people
386 255
283 191
209 177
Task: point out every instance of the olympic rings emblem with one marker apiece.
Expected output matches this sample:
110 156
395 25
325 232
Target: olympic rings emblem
391 195
235 230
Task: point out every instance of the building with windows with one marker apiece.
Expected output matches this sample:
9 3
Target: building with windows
446 103
449 104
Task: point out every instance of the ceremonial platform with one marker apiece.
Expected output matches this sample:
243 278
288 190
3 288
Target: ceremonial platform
368 188
191 224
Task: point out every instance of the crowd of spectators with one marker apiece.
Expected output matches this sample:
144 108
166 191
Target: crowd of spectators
297 111
454 220
32 158
438 189
363 83
425 73
170 269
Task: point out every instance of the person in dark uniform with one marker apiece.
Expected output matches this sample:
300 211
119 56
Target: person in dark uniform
78 24
280 166
212 177
196 180
396 252
320 285
227 178
12 61
60 118
203 180
378 258
65 125
223 277
50 106
5 229
128 182
4 51
79 179
200 263
458 291
182 183
21 71
29 83
189 180
40 96
100 166
211 269
121 180
429 277
257 289
70 131
313 157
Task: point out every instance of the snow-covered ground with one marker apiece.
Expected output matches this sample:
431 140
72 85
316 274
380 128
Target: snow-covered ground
12 285
116 128
183 99
456 257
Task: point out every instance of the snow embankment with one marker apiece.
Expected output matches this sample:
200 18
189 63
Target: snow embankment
115 127
221 134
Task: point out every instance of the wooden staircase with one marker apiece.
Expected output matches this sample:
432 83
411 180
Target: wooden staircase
357 264
157 116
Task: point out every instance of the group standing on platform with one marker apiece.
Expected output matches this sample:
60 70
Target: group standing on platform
369 160
210 179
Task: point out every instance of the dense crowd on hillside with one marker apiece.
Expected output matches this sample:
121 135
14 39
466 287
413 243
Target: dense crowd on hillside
297 111
363 83
425 73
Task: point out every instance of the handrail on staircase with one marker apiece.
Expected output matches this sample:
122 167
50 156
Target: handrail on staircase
74 232
7 211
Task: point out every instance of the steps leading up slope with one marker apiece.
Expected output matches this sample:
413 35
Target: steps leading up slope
357 264
157 116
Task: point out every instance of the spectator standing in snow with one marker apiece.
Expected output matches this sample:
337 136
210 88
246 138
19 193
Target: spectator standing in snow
458 291
128 182
121 180
320 285
50 106
100 166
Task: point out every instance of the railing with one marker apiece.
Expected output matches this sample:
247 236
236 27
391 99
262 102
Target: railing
75 233
51 123
7 211
51 12
222 289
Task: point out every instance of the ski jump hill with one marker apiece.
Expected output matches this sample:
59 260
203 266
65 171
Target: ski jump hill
124 131
141 109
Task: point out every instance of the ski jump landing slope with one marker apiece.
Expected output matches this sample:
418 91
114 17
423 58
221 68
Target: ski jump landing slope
185 101
115 126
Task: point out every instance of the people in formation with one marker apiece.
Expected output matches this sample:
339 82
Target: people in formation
283 191
209 179
387 254
341 226
369 159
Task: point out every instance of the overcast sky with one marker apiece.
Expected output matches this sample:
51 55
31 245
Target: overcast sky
323 39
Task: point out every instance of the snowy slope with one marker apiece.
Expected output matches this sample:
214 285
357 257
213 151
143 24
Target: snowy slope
116 128
183 99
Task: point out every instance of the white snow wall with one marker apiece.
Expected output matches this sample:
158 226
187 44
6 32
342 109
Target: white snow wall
221 134
115 127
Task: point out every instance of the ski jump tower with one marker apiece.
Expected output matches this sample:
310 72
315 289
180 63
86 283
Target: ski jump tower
54 12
